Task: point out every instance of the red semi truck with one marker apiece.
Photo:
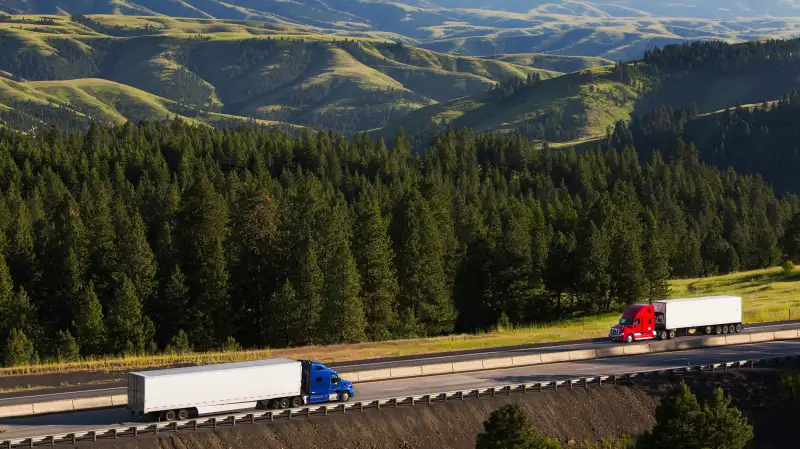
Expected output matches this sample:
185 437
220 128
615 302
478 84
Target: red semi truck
666 319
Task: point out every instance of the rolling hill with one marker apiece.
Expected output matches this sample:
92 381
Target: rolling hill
582 105
613 29
246 69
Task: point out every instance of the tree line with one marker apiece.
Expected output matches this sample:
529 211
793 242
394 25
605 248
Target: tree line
129 239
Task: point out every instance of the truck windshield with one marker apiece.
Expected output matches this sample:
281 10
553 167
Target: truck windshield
625 321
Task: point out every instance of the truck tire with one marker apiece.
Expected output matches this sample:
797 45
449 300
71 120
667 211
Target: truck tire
169 415
671 334
738 328
297 401
183 414
629 338
283 403
718 330
663 335
708 330
344 397
725 329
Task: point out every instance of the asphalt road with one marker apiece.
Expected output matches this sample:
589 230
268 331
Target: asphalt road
95 420
89 391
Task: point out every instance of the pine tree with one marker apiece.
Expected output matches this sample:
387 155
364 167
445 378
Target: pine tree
723 426
656 262
310 286
374 256
179 344
677 418
255 265
6 299
345 320
509 428
136 259
287 317
202 224
89 322
423 286
67 349
125 318
19 350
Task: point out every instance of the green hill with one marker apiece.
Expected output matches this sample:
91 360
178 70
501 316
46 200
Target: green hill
613 29
245 69
582 105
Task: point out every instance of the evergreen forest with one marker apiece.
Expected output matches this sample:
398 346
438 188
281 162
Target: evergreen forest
132 238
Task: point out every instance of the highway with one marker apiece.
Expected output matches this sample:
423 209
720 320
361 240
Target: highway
99 419
89 391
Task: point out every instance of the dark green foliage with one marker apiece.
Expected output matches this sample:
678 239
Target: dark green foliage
258 237
67 349
682 423
179 344
19 349
509 428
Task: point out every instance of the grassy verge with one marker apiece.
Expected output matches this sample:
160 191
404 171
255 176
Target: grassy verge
768 295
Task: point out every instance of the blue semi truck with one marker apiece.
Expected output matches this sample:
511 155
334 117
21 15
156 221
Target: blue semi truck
181 393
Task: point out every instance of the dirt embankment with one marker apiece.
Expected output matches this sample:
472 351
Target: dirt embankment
579 414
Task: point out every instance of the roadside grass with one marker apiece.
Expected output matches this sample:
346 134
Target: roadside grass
768 295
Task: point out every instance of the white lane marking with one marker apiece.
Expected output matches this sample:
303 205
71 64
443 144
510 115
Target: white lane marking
394 389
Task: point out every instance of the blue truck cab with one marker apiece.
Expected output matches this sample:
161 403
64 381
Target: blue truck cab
322 384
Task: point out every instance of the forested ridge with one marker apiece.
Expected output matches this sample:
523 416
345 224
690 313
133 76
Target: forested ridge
140 237
760 139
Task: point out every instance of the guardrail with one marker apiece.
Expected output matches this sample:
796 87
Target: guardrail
678 344
377 404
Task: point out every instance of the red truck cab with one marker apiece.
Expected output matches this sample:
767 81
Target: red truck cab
637 323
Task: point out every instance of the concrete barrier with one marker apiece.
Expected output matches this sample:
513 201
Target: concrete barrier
786 335
637 349
737 339
81 404
440 368
523 360
504 362
406 371
555 357
52 407
456 367
371 375
584 354
16 410
611 351
762 337
469 365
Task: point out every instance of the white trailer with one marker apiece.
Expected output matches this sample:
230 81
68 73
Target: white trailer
181 392
709 314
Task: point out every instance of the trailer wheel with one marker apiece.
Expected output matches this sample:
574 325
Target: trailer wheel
284 402
671 334
344 397
708 330
297 401
725 329
718 330
732 329
183 414
169 415
738 328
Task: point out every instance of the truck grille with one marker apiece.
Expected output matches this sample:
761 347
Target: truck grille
614 332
